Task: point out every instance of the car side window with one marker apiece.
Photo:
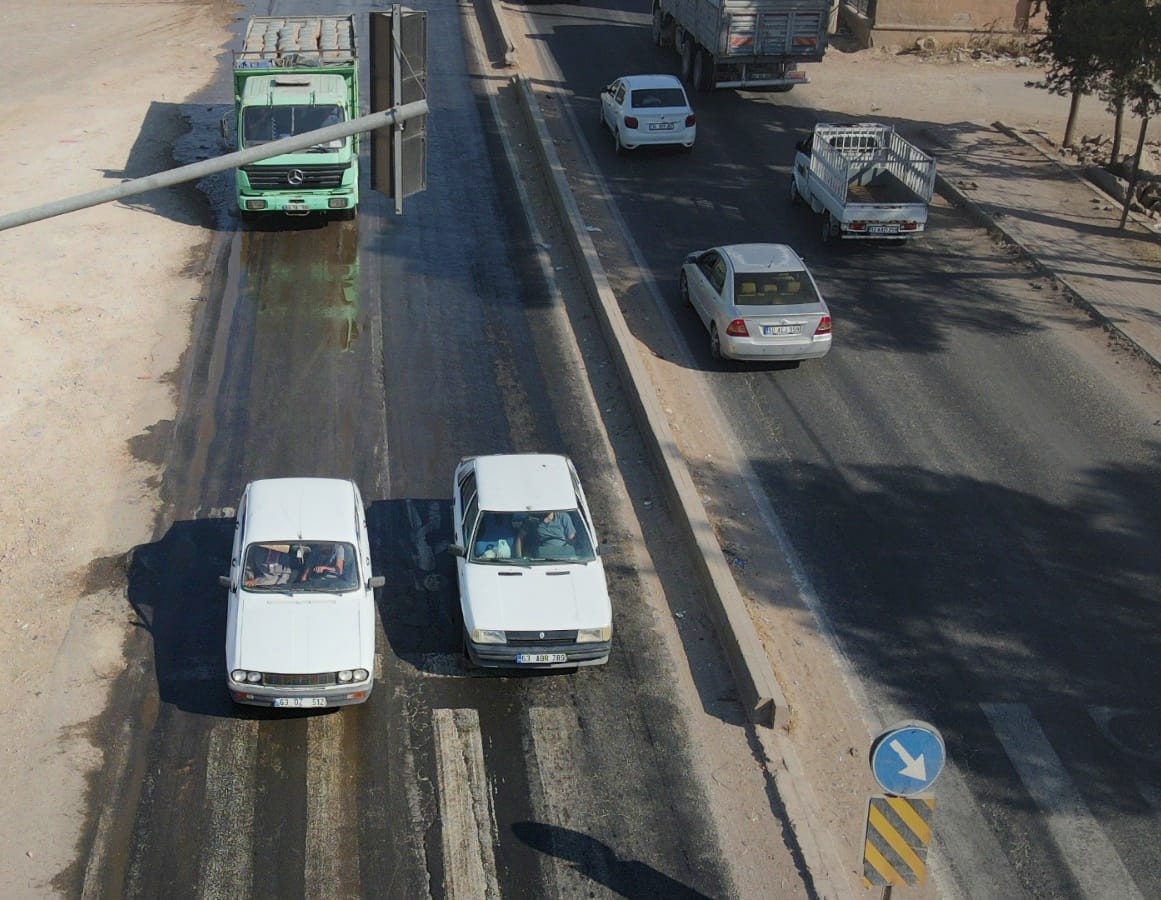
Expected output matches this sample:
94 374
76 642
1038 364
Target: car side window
706 263
467 497
620 94
471 514
718 275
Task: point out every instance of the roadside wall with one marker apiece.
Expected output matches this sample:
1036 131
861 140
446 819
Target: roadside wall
900 21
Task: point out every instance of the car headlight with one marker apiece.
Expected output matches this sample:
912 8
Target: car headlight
253 677
361 674
486 636
242 676
592 635
345 676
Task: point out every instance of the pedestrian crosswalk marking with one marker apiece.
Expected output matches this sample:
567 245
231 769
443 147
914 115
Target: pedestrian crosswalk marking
1093 862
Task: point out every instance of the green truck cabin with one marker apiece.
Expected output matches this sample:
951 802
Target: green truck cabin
294 75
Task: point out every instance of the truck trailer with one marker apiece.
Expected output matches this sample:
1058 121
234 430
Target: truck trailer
296 74
743 43
865 179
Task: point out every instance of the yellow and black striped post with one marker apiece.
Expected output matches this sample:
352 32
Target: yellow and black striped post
898 835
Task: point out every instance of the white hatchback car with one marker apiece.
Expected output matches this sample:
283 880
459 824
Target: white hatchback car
300 628
532 585
758 302
648 110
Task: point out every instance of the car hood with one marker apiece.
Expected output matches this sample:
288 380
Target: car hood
300 633
536 598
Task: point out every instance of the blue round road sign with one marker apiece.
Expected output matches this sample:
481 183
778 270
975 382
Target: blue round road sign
907 758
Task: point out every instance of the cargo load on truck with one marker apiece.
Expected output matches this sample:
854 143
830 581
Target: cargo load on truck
743 43
297 74
865 179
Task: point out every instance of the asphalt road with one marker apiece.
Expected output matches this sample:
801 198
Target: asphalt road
970 489
384 350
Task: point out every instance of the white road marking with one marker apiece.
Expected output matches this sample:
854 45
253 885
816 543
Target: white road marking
1093 862
226 871
467 819
331 865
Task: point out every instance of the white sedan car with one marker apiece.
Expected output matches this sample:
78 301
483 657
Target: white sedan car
648 110
758 301
532 585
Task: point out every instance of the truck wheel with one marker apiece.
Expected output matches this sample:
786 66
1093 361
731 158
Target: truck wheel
828 229
688 49
795 197
658 25
702 71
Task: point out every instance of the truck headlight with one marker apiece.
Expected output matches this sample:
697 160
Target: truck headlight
486 636
593 635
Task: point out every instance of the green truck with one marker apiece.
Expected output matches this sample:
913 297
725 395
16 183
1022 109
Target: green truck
296 74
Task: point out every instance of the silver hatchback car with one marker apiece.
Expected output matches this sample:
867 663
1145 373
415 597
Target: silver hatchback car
758 302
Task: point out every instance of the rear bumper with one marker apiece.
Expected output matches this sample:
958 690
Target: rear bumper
632 138
505 656
757 350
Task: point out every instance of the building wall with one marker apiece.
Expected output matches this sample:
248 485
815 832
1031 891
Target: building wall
969 15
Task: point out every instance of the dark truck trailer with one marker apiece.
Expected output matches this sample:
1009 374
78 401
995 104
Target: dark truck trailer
743 43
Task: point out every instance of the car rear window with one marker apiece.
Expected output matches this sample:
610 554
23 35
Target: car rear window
773 289
657 98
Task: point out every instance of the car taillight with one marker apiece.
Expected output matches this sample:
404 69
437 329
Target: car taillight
631 122
690 121
857 226
737 328
824 326
909 226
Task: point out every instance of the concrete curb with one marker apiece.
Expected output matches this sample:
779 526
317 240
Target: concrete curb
984 218
491 9
761 694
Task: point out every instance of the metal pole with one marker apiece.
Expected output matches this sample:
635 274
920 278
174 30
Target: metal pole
396 96
388 117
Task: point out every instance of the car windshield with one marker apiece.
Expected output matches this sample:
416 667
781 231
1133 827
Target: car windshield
773 289
664 98
300 566
531 537
262 124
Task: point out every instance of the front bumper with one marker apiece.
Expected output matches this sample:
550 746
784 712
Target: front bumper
300 697
506 656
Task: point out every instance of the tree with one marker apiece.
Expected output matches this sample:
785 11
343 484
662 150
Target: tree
1072 40
1137 76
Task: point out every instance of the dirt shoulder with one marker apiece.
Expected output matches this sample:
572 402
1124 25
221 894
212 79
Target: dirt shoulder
97 309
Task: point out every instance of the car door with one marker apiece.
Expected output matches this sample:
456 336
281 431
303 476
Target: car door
464 512
705 285
608 104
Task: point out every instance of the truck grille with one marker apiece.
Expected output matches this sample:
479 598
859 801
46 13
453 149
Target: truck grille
295 178
319 679
540 638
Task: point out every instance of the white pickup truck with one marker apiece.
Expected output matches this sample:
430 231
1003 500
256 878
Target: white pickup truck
865 179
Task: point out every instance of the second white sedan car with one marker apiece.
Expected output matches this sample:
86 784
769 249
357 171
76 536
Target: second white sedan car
648 110
758 301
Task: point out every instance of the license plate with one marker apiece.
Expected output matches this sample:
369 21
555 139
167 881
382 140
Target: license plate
541 657
774 330
297 207
300 702
661 126
882 229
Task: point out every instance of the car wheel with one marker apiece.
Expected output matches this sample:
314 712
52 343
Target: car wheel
715 342
683 285
617 145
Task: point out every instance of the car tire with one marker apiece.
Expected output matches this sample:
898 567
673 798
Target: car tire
683 287
795 197
827 228
715 343
617 145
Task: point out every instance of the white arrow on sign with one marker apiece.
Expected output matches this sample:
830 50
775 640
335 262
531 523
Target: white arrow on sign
913 767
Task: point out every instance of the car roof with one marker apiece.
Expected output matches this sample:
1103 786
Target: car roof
511 482
763 258
634 82
308 509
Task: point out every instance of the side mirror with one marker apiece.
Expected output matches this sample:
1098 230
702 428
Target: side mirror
224 581
376 581
455 550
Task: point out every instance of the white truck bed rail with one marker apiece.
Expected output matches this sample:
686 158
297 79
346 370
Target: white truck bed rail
846 156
